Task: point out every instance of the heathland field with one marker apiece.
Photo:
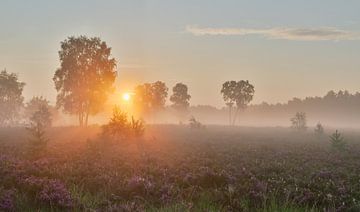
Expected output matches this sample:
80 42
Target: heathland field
174 168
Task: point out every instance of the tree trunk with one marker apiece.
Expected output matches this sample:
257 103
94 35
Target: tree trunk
235 116
81 120
230 115
86 119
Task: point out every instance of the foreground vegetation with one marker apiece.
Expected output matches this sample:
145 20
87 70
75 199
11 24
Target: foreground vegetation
174 168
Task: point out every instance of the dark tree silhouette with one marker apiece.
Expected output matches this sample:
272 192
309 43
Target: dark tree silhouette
180 99
239 93
11 99
150 97
85 77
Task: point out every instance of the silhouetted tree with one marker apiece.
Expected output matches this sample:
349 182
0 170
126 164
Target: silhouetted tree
11 99
150 97
35 104
298 122
240 93
85 77
180 98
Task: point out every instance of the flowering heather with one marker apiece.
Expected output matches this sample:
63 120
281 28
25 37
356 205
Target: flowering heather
184 170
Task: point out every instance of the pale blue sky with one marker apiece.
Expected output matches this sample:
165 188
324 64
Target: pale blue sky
286 48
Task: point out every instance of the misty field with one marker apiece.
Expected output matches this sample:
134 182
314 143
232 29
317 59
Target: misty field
174 168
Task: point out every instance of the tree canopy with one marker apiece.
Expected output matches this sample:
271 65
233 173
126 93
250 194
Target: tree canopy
180 97
85 77
240 93
150 97
11 99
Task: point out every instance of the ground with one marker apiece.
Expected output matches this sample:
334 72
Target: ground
174 168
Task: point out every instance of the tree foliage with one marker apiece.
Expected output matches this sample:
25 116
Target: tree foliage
85 77
239 93
35 104
298 122
180 97
150 97
11 99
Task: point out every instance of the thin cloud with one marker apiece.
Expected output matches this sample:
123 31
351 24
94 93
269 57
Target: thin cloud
298 34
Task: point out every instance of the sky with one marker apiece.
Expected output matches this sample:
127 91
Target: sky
285 48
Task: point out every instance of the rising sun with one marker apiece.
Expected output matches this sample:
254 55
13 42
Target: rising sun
126 97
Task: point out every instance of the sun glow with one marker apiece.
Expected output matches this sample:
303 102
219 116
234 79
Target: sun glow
126 97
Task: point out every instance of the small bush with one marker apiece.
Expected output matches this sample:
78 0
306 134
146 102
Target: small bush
319 129
120 128
137 127
194 124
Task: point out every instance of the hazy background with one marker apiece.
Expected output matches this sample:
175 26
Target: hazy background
285 48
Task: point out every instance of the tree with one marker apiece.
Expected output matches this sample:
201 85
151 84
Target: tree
180 99
39 122
11 99
240 93
85 77
337 141
150 97
298 122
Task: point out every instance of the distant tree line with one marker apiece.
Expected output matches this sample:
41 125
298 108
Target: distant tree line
86 77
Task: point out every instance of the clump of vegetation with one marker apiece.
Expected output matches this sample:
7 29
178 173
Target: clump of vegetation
195 124
298 122
319 129
337 141
11 99
39 122
119 127
137 127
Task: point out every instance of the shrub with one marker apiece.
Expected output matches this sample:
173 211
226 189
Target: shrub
120 128
137 127
118 125
194 124
319 129
337 141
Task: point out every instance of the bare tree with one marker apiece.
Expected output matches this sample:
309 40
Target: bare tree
11 99
240 93
85 77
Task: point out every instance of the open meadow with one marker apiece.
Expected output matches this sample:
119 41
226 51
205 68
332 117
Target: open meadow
175 168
